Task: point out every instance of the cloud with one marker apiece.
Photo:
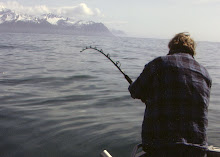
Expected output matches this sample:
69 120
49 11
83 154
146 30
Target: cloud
81 10
15 6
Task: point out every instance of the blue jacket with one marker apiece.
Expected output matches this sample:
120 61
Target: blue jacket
176 90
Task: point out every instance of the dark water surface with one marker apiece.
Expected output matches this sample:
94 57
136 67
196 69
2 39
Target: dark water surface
56 101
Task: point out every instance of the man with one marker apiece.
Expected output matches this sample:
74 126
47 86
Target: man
176 91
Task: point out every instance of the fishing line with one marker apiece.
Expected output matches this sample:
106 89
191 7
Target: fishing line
117 63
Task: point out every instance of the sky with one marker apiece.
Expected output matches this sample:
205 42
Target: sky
140 18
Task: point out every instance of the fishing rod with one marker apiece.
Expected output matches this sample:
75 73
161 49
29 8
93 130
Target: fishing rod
117 63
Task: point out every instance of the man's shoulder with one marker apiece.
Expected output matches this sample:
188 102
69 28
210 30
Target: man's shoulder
161 60
157 60
180 60
176 58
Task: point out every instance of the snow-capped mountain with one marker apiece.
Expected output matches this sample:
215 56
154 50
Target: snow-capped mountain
11 21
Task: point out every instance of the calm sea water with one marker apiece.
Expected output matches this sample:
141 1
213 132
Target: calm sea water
56 101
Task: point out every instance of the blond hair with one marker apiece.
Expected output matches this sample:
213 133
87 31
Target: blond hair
182 42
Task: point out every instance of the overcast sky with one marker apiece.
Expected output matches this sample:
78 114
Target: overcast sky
140 18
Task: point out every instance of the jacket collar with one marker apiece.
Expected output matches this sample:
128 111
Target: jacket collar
179 51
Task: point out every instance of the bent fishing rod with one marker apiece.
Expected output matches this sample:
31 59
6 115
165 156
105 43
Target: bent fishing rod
117 63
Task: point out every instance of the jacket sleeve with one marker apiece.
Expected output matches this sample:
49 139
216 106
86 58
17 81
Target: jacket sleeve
140 88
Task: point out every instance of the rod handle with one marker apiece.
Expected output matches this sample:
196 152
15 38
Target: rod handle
128 79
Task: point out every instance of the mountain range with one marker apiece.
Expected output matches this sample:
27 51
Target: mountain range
10 21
